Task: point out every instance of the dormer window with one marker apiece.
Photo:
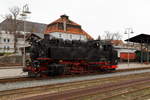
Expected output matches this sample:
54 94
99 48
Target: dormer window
60 26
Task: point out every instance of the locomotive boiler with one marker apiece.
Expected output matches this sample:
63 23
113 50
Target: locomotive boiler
53 57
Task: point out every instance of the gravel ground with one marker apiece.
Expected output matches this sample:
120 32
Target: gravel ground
10 86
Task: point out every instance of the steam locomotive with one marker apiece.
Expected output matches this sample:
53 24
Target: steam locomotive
51 57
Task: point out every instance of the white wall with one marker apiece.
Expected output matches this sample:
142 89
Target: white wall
68 36
7 41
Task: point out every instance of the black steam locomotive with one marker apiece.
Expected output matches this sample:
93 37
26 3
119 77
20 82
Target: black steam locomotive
53 57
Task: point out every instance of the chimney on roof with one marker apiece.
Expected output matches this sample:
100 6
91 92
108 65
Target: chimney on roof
64 16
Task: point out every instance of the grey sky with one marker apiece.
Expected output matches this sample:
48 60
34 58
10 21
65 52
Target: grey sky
95 16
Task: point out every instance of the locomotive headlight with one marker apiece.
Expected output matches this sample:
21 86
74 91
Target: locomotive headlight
116 61
60 61
28 63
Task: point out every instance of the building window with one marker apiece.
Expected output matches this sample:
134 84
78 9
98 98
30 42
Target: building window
60 35
70 36
4 47
60 26
8 48
80 37
8 40
4 40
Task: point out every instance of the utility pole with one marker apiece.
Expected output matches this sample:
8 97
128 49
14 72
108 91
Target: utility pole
25 12
128 31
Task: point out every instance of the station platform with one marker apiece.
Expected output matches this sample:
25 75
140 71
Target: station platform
132 65
17 70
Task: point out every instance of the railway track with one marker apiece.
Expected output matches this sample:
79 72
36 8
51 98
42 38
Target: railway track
131 95
25 78
57 90
92 93
130 90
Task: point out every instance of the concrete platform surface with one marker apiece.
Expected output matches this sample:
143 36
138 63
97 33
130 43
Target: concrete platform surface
132 65
17 71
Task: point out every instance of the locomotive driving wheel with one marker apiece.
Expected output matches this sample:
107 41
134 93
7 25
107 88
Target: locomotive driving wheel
56 69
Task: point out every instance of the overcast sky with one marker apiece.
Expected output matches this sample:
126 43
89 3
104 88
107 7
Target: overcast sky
95 16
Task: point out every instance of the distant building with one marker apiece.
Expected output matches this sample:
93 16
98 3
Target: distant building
117 42
123 49
7 37
66 29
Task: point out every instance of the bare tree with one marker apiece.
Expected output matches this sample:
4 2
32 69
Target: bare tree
112 36
15 11
99 37
109 36
117 36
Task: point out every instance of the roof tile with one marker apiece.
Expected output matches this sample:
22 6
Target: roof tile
71 27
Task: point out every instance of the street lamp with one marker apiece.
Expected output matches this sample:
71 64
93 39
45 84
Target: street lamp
128 31
25 12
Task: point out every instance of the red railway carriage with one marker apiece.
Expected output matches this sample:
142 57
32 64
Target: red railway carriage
124 56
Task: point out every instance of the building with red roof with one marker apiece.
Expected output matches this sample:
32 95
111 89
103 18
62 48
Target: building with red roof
66 29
